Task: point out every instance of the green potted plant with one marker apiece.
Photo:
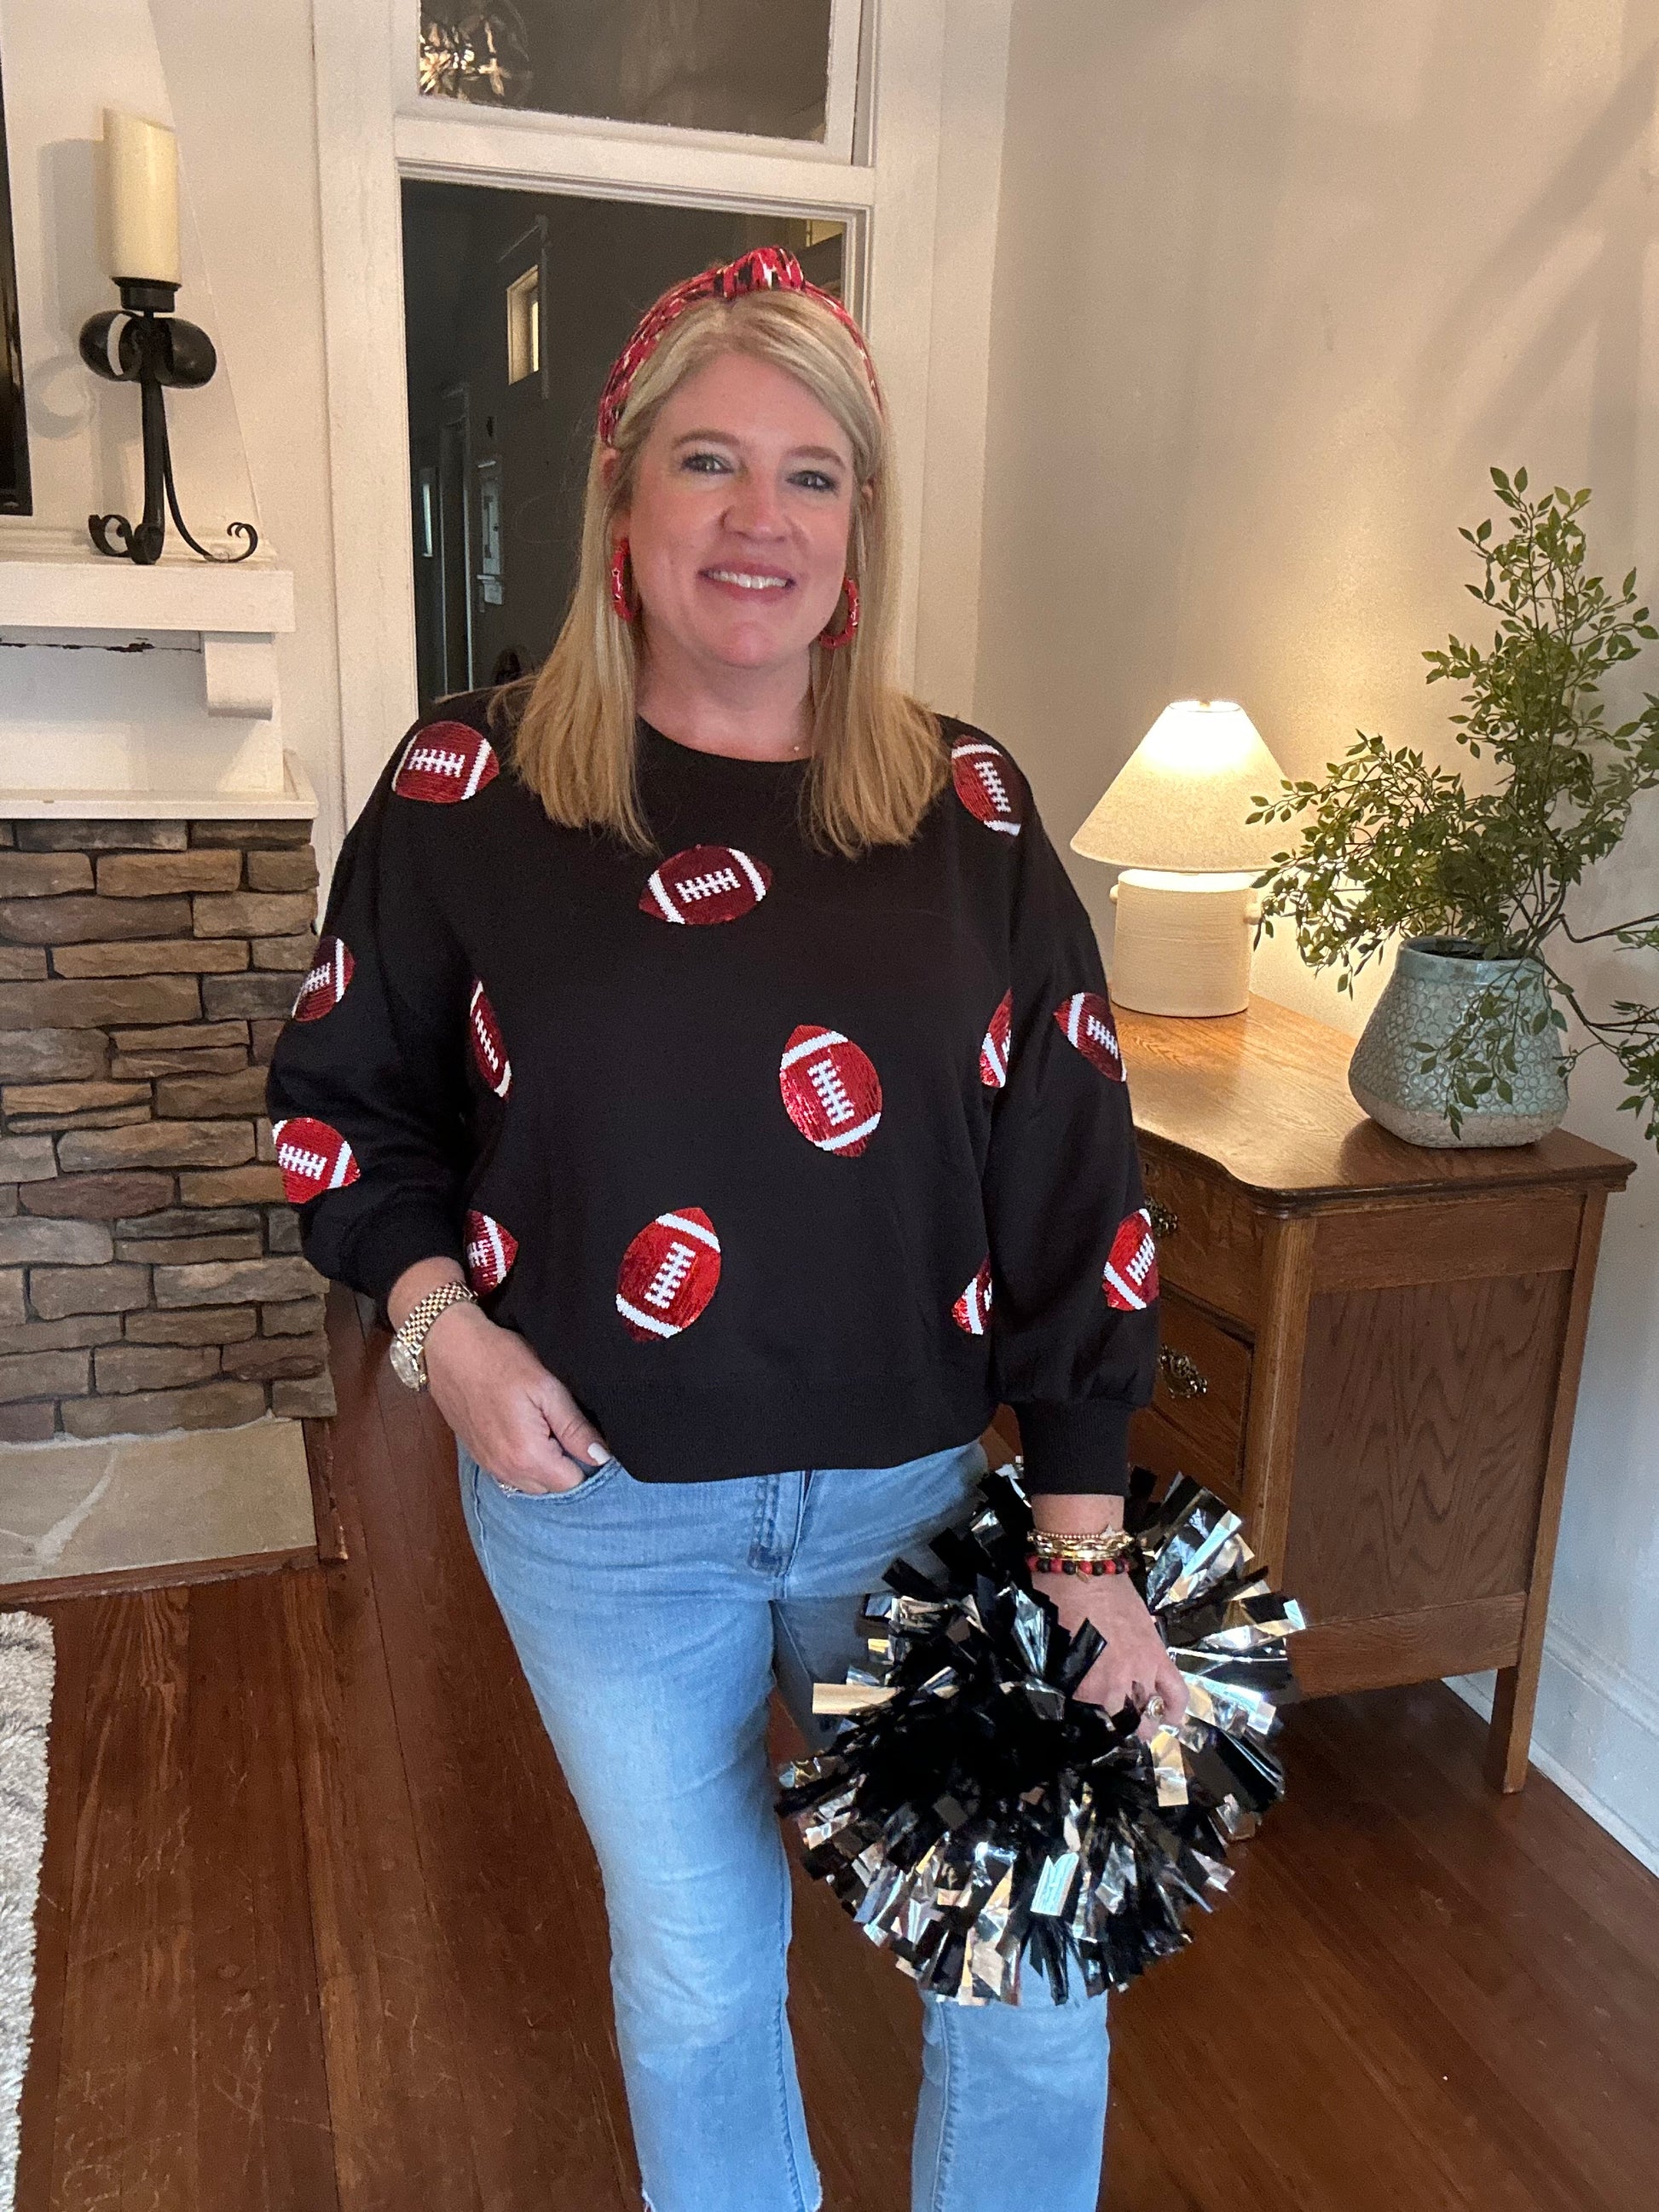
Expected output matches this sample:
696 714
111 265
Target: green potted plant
1469 1043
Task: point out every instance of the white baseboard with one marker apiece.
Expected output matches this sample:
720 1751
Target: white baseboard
1595 1735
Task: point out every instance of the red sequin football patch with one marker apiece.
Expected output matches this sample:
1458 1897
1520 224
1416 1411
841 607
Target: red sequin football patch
831 1092
1129 1277
326 986
972 1310
490 1250
993 1052
668 1274
444 763
986 784
314 1158
705 884
488 1053
1085 1020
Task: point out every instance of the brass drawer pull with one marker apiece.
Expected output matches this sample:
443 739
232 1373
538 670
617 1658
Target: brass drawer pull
1181 1378
1164 1223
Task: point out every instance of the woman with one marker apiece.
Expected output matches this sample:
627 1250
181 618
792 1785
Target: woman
708 1066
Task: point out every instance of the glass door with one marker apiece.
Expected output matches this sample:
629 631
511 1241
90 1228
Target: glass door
503 187
515 305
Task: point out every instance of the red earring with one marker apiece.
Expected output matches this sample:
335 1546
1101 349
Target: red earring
831 639
619 580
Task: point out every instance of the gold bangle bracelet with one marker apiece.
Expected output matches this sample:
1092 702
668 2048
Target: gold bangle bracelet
1105 1544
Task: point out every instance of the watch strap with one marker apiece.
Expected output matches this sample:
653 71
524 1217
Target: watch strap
420 1317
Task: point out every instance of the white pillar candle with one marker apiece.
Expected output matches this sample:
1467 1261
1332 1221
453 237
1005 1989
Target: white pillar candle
141 173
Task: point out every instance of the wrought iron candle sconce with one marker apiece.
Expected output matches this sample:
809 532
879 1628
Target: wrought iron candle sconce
152 348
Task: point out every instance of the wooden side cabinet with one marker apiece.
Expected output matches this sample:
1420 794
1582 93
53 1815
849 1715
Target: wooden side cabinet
1372 1350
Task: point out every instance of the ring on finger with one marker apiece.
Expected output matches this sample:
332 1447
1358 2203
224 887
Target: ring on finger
1156 1707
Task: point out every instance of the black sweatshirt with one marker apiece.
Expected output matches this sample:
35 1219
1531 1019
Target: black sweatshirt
776 1159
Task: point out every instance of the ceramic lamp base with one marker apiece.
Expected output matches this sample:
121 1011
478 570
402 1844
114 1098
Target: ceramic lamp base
1183 943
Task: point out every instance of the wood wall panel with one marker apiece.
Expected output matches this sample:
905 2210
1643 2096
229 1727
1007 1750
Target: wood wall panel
1424 1421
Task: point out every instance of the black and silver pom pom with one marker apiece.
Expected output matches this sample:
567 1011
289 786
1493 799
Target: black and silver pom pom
979 1820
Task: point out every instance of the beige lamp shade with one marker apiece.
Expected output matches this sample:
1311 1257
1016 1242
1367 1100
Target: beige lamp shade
1180 801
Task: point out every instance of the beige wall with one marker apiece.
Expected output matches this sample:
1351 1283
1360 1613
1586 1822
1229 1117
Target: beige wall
239 78
1276 282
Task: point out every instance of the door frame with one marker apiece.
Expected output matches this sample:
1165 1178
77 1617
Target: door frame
913 267
455 561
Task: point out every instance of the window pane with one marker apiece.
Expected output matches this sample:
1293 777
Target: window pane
760 66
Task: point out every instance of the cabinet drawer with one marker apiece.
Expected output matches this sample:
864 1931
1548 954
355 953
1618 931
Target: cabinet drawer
1209 1237
1195 1423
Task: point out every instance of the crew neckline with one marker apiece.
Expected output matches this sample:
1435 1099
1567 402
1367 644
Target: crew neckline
721 761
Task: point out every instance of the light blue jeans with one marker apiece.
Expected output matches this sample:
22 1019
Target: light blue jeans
652 1620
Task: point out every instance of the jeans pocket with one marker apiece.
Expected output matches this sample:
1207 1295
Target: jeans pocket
596 1478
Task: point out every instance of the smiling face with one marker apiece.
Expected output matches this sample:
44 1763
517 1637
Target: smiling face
737 530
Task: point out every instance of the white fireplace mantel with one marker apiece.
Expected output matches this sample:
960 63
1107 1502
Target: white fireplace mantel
48 581
141 691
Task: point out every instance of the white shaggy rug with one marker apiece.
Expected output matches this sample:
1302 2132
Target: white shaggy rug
26 1669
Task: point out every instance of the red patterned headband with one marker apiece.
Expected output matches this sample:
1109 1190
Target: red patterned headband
763 268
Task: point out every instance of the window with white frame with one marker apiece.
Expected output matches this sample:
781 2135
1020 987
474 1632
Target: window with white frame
814 121
754 66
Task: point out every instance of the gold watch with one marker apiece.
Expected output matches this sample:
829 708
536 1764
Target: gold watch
408 1352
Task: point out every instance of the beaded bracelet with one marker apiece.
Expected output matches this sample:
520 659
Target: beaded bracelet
1109 1544
1040 1564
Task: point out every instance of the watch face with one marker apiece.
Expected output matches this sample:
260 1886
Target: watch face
404 1366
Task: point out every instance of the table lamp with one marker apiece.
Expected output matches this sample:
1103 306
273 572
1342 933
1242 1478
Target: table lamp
1173 819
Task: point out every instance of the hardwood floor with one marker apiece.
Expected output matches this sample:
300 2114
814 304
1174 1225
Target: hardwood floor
320 1932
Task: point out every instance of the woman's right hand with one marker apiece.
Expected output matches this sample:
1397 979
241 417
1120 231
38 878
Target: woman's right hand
518 1421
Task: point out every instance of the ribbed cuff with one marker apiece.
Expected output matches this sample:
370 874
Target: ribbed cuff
395 1239
1076 1444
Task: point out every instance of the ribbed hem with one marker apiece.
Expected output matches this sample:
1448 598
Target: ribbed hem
388 1243
1073 1445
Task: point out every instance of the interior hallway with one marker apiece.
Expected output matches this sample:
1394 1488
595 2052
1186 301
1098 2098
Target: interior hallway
320 1932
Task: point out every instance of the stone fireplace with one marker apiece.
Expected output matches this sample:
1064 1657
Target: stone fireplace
161 1335
149 1270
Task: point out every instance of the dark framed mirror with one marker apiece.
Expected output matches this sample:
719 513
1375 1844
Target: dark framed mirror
15 497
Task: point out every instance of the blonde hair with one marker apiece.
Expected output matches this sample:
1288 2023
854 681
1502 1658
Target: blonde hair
878 756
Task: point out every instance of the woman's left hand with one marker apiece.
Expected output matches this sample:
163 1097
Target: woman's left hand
1135 1666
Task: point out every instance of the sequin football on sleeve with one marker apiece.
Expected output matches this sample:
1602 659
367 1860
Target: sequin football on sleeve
488 1053
1086 1021
490 1251
314 1158
326 985
972 1310
993 1052
986 785
1130 1276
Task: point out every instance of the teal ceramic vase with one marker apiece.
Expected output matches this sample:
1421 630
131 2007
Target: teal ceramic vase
1434 981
